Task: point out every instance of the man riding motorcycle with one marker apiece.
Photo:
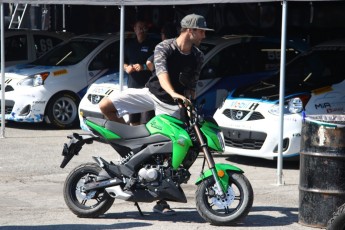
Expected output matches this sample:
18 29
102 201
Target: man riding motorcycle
174 59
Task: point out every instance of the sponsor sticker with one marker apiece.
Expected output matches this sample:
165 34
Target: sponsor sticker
60 72
322 90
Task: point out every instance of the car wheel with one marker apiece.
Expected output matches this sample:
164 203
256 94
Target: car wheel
62 110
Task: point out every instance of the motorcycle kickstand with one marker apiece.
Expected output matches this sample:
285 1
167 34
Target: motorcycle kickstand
141 213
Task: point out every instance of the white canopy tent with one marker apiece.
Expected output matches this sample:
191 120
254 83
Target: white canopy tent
122 4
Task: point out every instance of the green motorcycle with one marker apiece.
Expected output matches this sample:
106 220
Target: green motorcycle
156 158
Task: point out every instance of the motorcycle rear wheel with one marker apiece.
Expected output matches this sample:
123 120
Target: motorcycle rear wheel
230 210
85 204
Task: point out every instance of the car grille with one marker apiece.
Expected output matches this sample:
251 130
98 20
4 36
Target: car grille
244 139
9 104
240 114
8 109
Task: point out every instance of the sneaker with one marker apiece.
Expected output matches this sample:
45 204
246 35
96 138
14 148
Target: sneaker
163 208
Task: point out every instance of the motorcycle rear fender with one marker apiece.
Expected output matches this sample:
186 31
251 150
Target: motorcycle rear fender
75 145
223 180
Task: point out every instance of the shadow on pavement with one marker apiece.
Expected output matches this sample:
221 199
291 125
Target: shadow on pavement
190 216
259 162
35 126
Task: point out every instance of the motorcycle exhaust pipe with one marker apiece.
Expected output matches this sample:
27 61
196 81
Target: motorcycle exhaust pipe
102 184
117 192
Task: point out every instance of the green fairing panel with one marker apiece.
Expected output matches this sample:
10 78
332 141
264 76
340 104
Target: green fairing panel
106 133
223 180
210 130
171 127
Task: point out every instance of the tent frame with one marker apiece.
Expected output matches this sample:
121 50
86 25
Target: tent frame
122 4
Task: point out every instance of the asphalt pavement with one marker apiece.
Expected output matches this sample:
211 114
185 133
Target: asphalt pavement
31 185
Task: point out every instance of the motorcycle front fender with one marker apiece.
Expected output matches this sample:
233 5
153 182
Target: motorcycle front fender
224 180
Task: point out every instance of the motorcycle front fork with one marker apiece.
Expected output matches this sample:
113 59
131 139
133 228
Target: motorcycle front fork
209 160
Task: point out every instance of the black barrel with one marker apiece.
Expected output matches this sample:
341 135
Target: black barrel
322 169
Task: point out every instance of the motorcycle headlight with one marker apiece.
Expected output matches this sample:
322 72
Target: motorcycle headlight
34 80
221 140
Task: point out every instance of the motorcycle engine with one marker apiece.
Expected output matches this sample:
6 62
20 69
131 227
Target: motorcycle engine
148 174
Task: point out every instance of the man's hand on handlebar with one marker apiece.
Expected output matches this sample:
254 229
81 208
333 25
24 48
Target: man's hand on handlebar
180 98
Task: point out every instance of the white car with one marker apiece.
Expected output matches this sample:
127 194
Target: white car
103 87
314 85
23 46
230 62
50 88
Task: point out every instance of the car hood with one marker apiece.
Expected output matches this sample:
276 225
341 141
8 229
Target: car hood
24 70
269 89
111 81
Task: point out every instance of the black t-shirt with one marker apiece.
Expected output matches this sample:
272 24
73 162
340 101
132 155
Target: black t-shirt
168 58
136 52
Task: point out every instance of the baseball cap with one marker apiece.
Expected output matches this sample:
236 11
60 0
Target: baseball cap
194 21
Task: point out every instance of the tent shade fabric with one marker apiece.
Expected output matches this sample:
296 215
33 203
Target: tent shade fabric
144 2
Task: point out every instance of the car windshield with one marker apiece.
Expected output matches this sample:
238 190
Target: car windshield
205 47
319 68
69 53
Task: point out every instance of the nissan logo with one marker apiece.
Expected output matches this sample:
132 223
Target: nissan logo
239 115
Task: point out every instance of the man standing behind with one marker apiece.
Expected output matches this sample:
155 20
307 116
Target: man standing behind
137 51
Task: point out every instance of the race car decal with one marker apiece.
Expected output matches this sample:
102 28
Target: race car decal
60 72
244 105
335 110
322 90
7 81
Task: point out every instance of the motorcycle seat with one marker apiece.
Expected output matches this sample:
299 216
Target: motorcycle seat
123 130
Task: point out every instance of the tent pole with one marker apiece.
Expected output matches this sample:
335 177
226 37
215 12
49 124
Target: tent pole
122 42
63 18
282 94
2 41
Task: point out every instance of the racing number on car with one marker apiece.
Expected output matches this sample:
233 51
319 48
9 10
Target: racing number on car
45 45
273 55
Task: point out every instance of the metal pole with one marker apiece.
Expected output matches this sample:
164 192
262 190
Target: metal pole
282 94
122 45
63 18
2 41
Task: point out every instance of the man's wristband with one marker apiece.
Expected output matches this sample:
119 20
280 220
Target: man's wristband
145 66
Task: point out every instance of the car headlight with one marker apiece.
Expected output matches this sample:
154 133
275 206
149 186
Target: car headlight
291 105
221 140
95 99
295 105
34 80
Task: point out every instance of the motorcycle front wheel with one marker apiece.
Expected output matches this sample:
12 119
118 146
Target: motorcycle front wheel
85 204
230 209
